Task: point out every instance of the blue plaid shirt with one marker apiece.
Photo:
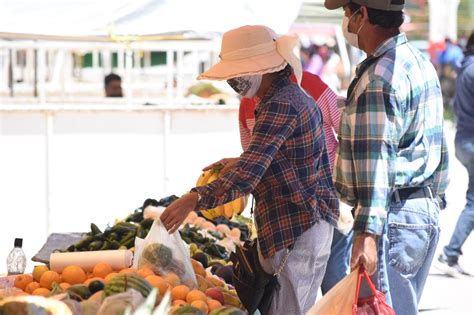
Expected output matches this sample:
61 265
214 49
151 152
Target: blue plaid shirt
286 167
391 133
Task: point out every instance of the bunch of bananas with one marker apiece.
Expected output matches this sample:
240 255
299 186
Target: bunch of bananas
227 210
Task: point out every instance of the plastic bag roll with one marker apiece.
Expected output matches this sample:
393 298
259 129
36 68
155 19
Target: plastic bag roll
117 259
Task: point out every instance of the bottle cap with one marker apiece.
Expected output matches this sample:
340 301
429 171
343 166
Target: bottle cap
18 242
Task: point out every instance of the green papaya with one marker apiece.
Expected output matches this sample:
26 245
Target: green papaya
228 310
188 310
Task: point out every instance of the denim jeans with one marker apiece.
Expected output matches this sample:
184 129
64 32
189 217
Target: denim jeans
339 261
405 252
465 224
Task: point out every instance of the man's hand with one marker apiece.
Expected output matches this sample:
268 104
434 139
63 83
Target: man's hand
227 164
175 214
364 252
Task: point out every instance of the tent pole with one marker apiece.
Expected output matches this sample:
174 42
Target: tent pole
35 73
11 78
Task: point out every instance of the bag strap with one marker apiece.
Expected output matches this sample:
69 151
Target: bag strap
288 250
362 273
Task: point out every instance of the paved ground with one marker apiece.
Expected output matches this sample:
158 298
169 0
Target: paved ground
445 295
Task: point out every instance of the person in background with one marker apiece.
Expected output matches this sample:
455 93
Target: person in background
312 60
392 159
286 167
113 85
338 263
464 144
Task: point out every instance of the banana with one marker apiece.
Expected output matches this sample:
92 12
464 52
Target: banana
229 209
203 178
211 214
213 177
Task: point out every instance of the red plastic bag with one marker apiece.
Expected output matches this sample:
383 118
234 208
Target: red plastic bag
372 305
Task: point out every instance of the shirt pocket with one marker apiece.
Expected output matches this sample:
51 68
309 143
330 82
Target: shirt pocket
409 236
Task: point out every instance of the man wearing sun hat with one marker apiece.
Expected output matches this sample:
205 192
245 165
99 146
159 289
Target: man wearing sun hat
286 166
392 159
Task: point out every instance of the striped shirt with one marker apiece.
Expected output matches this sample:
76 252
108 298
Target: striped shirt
285 167
391 133
325 98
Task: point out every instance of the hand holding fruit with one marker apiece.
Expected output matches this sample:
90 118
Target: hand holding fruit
175 214
226 165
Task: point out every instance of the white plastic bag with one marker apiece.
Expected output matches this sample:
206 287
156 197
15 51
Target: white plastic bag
340 299
138 251
167 253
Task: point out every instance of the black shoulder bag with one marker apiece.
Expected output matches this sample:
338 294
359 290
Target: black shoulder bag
254 286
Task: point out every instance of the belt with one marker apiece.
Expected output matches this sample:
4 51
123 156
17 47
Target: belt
412 193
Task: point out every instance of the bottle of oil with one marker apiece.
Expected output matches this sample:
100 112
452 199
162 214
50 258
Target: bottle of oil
16 261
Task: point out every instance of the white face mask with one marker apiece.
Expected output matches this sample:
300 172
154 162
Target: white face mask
351 38
247 85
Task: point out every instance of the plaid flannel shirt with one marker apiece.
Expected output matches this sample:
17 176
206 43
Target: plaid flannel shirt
391 133
286 168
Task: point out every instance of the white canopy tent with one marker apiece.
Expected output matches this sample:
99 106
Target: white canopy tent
127 28
92 18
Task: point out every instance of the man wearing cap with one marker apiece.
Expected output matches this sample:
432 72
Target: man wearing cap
392 158
286 166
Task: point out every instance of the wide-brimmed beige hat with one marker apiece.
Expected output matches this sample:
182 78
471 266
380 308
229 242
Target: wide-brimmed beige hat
251 50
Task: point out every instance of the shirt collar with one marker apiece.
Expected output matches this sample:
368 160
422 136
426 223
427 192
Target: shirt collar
389 44
282 80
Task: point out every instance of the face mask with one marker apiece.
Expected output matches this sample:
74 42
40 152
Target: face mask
247 85
351 38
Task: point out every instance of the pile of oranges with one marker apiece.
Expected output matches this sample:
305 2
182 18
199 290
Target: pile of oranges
41 281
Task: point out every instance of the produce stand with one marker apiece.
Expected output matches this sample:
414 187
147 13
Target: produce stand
91 288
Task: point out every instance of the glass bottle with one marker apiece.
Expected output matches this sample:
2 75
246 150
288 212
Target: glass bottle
16 261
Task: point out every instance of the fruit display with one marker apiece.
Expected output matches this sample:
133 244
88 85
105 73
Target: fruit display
97 288
84 292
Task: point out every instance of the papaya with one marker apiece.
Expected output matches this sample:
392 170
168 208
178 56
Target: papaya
228 310
123 282
187 310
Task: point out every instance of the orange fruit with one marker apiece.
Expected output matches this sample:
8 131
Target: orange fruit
196 295
201 305
110 276
179 303
21 281
41 292
64 285
172 279
213 305
38 272
128 270
145 272
48 278
73 275
179 292
88 281
101 270
31 287
159 283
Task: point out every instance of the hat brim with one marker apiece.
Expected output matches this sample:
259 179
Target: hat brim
228 69
335 4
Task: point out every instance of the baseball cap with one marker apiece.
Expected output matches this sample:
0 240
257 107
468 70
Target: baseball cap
385 5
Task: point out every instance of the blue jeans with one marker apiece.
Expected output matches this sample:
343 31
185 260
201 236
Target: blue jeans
405 252
465 224
339 261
